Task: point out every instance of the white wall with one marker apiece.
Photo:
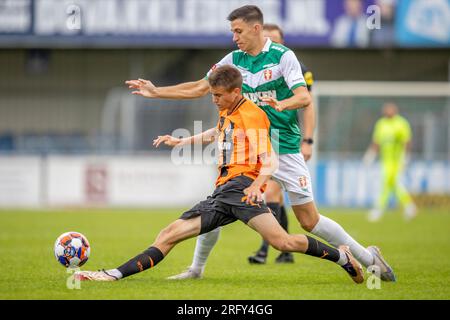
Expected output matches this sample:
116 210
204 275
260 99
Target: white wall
146 181
20 181
119 181
126 181
351 184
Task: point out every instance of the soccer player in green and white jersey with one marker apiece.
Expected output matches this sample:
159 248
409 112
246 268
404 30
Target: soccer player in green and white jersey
273 80
392 139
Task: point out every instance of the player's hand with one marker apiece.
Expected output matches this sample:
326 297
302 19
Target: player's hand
407 159
143 88
274 103
253 194
306 151
167 140
369 157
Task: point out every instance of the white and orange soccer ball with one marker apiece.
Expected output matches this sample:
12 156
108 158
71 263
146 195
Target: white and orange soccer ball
72 249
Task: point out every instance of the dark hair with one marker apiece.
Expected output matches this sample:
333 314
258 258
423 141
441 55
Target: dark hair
272 26
247 13
226 76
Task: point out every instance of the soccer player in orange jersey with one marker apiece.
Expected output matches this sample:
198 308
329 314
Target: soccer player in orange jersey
273 80
246 162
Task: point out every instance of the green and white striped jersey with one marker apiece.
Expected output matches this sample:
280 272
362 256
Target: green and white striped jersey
274 72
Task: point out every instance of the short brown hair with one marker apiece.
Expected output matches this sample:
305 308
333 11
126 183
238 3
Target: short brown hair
272 27
248 13
226 76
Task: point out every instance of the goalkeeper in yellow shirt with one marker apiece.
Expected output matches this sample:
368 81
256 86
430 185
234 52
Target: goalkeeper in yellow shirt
391 139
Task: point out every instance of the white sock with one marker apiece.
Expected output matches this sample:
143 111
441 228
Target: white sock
335 235
204 245
115 273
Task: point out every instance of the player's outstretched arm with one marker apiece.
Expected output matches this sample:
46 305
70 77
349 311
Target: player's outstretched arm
186 90
407 157
300 99
370 154
204 137
167 140
309 124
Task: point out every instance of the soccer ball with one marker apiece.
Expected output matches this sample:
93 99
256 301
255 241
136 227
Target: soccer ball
72 249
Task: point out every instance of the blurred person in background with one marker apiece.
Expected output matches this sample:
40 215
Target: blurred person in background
350 30
391 139
273 194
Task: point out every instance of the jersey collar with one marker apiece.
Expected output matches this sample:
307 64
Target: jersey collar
237 106
266 47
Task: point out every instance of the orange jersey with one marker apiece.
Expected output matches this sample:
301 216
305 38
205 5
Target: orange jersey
243 136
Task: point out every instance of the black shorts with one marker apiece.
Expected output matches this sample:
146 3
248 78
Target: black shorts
226 205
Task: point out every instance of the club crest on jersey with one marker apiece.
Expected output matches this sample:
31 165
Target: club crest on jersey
267 75
303 181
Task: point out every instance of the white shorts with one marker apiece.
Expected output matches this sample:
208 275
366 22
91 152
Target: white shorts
293 176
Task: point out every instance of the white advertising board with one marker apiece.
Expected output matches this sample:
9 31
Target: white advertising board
20 181
125 181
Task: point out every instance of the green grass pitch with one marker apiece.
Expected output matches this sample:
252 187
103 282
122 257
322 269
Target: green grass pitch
419 251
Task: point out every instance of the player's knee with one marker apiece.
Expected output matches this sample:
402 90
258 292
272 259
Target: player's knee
308 219
168 235
272 196
272 192
281 243
278 244
307 215
163 236
308 225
